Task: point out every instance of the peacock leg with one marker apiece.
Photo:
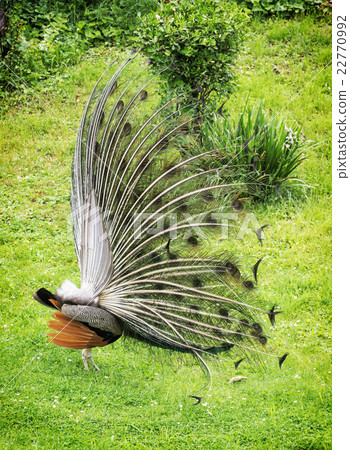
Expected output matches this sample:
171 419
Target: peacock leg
87 354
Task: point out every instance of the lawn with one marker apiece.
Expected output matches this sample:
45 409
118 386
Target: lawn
140 398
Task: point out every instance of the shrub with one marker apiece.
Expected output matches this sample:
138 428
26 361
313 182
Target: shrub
198 40
258 151
42 37
283 6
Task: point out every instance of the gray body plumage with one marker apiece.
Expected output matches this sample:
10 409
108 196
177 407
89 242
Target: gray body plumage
94 317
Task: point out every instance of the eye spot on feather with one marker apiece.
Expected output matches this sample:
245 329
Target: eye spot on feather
237 205
197 282
182 207
144 163
248 284
257 327
126 129
102 116
263 340
195 310
163 143
233 270
139 254
120 106
143 95
227 345
159 286
224 312
208 196
122 165
192 240
155 257
158 201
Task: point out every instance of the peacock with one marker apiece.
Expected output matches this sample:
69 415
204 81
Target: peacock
143 215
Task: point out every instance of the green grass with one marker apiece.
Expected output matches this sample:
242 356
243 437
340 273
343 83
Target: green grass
140 398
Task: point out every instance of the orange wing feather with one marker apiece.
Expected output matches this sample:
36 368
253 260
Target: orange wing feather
73 334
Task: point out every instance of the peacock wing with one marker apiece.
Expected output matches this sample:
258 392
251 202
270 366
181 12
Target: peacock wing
71 333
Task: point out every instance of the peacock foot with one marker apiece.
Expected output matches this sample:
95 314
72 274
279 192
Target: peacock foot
87 355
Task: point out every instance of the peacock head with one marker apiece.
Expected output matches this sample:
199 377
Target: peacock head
44 296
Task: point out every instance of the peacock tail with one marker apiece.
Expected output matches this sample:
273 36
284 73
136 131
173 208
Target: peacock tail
143 214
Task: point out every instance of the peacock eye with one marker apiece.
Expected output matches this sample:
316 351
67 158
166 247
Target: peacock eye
238 205
192 240
257 327
223 312
248 284
197 282
263 340
143 95
120 106
126 129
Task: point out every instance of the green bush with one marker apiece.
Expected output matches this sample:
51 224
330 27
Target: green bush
259 151
198 40
282 6
43 37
